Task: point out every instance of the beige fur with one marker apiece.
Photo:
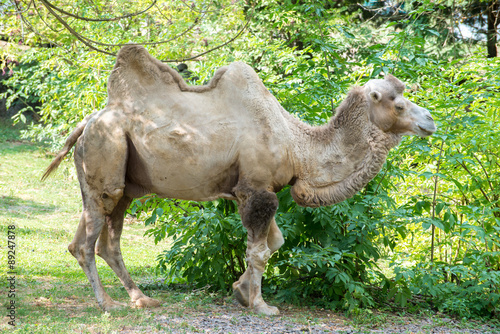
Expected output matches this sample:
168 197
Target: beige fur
228 139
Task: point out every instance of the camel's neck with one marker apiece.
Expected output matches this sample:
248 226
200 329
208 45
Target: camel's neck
336 160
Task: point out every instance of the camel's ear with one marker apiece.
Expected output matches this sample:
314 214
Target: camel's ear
398 84
376 96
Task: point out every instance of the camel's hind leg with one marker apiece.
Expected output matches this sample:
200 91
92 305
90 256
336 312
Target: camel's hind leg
108 247
101 161
82 248
257 209
97 204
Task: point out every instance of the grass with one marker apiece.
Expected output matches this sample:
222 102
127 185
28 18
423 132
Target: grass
52 292
49 282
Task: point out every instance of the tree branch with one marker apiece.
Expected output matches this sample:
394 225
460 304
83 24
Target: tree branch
32 27
213 49
73 32
484 170
91 43
46 3
476 179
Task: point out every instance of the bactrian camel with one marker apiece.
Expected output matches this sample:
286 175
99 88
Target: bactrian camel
228 139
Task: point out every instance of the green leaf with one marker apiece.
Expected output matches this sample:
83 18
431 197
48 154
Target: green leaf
438 223
439 207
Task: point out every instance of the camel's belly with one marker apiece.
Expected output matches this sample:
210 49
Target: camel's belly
194 182
181 161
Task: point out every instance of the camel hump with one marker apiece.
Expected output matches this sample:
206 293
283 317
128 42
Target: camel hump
137 75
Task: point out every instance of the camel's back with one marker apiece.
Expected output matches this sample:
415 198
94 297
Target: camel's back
143 87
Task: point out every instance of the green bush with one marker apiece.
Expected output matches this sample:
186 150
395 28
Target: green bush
468 289
208 240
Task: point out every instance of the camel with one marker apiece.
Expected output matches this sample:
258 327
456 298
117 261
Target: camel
227 139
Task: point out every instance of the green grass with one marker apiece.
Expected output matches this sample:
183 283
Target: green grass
52 292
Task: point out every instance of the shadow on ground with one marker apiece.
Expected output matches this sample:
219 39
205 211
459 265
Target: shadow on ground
20 208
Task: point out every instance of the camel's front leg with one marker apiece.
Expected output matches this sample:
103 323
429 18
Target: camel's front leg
241 287
257 209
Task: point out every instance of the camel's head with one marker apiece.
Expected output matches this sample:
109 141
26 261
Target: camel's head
391 112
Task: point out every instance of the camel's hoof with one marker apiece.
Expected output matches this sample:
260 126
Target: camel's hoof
241 293
113 305
266 310
146 302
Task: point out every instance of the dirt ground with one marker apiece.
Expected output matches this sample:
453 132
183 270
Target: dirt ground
232 318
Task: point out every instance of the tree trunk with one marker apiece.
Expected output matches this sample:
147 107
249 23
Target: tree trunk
491 34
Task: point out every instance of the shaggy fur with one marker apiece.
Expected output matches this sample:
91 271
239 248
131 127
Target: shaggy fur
258 210
352 120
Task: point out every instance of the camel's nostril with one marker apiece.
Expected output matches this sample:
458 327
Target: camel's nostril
429 118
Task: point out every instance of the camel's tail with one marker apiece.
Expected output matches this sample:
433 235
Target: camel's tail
70 142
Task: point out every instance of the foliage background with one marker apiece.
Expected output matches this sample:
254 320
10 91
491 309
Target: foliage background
423 234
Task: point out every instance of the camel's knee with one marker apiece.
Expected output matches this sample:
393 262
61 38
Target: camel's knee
77 250
258 257
111 257
258 211
83 244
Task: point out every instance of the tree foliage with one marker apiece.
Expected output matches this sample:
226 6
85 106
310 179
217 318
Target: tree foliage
423 233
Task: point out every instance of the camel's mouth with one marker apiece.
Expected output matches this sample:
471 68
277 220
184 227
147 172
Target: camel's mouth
425 132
